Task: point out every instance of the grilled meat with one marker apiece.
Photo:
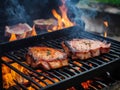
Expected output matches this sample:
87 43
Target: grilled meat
46 57
85 48
45 23
21 30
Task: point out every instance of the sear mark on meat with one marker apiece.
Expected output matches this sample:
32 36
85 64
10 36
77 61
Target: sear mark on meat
85 48
45 57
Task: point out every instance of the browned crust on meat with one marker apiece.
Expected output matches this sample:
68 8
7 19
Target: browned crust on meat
104 50
74 54
95 52
67 50
47 64
21 30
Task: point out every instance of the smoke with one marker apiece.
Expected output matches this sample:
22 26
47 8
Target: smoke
15 12
74 13
27 10
86 17
78 7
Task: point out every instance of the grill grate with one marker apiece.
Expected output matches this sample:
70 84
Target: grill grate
63 77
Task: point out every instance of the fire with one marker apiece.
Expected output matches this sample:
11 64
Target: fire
33 31
6 59
106 25
90 64
77 63
24 35
105 34
9 75
63 20
13 37
86 84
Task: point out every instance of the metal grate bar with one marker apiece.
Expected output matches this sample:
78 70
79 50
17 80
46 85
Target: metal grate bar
97 60
37 77
113 55
20 85
85 68
86 65
23 75
71 72
75 70
53 75
24 65
102 83
61 75
52 45
116 47
118 50
113 52
64 73
91 61
81 67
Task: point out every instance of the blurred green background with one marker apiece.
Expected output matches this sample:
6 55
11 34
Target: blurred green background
111 2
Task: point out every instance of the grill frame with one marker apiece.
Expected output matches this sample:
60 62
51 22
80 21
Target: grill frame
72 31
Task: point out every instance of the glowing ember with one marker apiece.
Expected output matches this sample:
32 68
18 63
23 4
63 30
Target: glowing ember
6 59
30 88
106 25
106 59
9 75
99 86
77 63
93 87
63 20
90 64
86 84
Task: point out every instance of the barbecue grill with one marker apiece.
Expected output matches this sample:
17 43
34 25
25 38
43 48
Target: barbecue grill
75 72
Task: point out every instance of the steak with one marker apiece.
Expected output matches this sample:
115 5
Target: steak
45 23
45 57
85 48
21 30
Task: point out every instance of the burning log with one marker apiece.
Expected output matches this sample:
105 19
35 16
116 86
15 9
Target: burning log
18 31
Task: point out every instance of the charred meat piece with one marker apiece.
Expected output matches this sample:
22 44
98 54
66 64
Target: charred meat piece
85 48
45 57
21 30
45 23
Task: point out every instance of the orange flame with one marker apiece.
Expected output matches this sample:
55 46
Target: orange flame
90 64
86 84
105 34
63 20
24 35
6 59
9 75
33 31
106 25
13 37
